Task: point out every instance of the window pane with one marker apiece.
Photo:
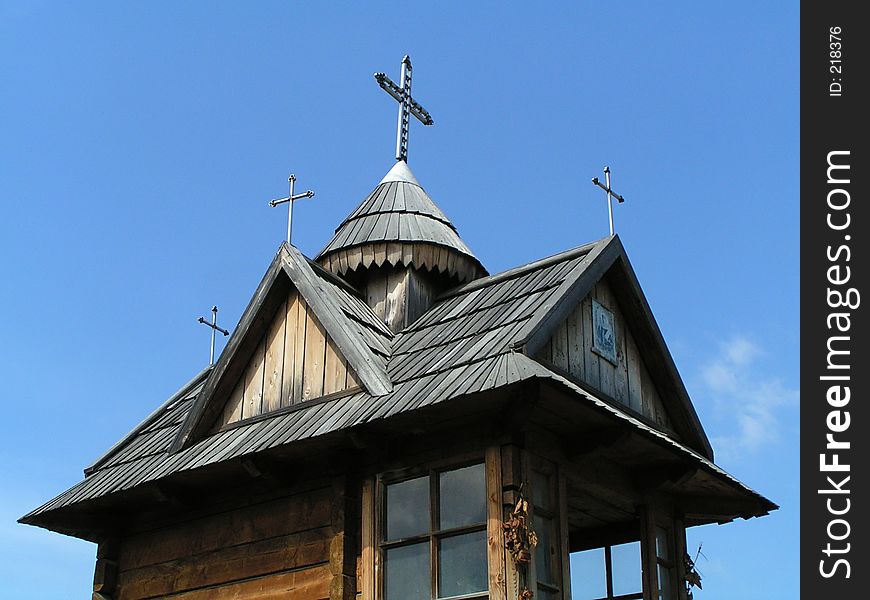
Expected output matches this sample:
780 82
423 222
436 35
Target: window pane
462 565
664 583
463 497
407 508
542 493
625 561
663 543
588 575
545 551
406 573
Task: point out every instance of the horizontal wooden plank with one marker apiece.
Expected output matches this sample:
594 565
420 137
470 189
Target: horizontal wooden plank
307 584
274 555
259 522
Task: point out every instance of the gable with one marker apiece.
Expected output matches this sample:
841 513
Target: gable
333 312
623 375
295 360
607 261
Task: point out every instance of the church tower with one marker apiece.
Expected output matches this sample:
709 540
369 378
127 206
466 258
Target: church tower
399 250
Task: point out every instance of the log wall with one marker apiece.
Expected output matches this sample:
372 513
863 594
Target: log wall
296 360
289 547
629 381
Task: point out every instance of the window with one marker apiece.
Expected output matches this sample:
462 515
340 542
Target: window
608 573
548 553
433 535
665 564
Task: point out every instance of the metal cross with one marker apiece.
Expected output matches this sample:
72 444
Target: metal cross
214 329
407 106
290 199
610 195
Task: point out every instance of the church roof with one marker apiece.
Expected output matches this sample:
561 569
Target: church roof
399 211
472 340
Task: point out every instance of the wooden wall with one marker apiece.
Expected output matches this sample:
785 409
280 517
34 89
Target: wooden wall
296 360
399 295
279 548
628 382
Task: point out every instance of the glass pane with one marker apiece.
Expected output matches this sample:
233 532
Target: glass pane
588 575
462 565
545 551
542 495
663 544
626 568
407 508
406 573
462 496
664 583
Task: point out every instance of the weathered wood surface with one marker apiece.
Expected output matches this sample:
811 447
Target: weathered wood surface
296 360
400 295
494 531
262 551
368 553
628 381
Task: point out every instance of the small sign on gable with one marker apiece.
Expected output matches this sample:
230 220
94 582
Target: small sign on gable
603 332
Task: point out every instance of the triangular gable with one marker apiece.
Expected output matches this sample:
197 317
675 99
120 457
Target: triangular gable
609 260
289 274
296 360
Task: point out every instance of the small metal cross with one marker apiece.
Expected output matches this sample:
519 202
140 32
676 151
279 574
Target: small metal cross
610 195
407 106
214 329
290 199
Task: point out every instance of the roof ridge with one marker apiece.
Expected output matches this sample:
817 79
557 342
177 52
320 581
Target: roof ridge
515 272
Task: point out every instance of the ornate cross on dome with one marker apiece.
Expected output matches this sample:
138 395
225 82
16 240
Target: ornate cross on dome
610 195
407 106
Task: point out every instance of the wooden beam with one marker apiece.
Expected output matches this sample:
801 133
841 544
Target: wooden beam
494 530
369 541
106 569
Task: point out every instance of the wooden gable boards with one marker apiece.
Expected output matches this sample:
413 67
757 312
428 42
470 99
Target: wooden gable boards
296 360
621 290
289 274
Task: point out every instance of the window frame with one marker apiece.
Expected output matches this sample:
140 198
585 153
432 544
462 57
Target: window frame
608 571
434 534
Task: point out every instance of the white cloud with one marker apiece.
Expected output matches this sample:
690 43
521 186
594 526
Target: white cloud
749 399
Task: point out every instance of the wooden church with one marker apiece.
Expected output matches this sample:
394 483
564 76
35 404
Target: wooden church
388 421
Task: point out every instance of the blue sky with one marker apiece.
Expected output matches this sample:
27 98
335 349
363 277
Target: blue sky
141 142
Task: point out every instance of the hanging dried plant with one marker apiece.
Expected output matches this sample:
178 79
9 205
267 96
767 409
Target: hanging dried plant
519 538
693 577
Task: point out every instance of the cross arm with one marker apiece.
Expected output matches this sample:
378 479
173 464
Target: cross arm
388 86
395 91
597 182
215 327
421 113
293 198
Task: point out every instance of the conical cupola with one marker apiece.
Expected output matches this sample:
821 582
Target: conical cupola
400 249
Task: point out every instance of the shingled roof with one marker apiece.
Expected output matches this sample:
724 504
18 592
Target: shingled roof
470 341
399 212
